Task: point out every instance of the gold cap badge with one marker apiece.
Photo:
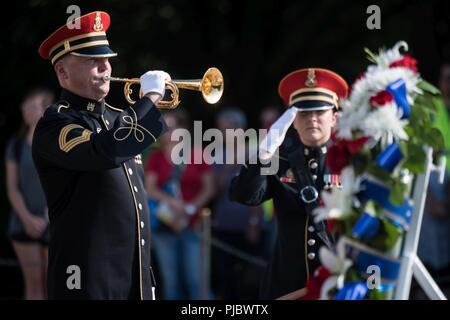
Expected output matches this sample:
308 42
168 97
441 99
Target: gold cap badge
311 80
98 26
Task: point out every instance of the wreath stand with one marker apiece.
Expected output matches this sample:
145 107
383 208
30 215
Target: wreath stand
411 264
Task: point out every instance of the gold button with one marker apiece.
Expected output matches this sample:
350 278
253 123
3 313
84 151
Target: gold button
311 256
311 242
311 229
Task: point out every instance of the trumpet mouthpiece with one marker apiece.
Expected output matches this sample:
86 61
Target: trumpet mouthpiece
106 77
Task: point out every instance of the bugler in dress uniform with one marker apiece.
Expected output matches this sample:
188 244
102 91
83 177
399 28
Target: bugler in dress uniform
87 154
301 176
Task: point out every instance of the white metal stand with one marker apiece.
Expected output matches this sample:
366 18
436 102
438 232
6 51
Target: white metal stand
411 264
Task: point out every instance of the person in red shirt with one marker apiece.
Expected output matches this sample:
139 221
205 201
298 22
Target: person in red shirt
176 194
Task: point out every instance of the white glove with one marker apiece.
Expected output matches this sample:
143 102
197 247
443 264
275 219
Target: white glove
276 134
154 82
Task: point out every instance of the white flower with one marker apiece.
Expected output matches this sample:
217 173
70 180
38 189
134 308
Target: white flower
378 79
337 264
384 124
351 118
357 110
338 203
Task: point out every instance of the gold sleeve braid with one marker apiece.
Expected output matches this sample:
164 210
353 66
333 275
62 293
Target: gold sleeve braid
65 145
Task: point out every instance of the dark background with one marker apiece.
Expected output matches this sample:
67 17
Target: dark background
254 43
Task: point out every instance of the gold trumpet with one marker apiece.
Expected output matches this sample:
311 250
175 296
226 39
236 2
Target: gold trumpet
211 87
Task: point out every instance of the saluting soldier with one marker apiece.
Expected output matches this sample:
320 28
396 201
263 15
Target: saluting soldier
87 154
301 136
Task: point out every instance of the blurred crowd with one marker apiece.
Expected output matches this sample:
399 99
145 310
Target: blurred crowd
234 249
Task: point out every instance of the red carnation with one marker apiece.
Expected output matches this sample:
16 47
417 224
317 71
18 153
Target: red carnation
339 153
315 283
338 157
381 98
354 145
407 62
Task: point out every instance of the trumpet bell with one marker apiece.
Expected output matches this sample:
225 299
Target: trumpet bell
212 85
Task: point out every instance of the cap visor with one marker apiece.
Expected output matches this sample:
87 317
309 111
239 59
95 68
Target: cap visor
95 52
313 105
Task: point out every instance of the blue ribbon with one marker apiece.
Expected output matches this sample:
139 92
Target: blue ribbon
363 257
367 226
352 291
400 216
389 157
398 90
